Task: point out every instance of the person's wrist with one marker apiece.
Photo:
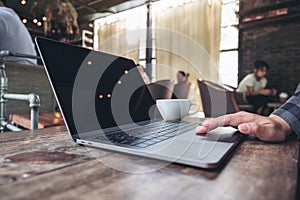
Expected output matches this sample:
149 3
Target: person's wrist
284 126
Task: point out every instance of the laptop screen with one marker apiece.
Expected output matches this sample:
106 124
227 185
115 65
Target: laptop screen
95 90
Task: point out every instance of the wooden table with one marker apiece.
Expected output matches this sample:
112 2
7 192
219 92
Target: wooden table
46 164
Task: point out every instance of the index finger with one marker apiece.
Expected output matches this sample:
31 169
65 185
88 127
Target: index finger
229 120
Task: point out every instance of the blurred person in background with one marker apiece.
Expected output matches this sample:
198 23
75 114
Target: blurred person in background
254 85
182 77
14 36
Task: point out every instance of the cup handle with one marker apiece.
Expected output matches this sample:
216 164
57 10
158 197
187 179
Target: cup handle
195 111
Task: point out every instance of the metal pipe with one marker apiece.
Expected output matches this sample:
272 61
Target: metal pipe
10 126
4 53
34 100
34 104
34 118
23 97
149 41
3 89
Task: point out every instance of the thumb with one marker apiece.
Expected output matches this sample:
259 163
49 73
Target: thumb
248 128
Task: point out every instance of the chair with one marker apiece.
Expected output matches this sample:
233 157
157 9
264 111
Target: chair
181 90
241 99
162 89
216 100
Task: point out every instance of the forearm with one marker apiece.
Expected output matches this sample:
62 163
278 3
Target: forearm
290 112
251 91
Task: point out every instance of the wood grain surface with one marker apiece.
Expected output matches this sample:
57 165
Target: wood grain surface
47 164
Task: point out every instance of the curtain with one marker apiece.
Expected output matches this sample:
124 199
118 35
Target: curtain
188 39
189 35
121 36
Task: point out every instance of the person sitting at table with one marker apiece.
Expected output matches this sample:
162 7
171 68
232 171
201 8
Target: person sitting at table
14 36
254 85
274 128
182 87
182 77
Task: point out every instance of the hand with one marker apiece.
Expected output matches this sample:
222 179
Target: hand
272 128
266 92
274 92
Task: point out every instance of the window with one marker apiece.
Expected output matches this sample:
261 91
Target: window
228 71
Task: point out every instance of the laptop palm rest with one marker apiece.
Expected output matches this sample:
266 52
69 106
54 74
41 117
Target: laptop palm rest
202 151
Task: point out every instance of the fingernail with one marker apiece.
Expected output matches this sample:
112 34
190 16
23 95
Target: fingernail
200 129
244 128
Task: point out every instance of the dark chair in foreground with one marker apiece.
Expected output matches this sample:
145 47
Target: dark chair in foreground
181 90
162 89
216 100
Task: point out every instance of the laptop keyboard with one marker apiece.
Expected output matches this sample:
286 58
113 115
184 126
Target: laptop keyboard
144 136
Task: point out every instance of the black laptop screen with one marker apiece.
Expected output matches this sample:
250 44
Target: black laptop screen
95 90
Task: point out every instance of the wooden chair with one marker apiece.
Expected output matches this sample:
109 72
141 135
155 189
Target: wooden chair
181 90
216 100
162 89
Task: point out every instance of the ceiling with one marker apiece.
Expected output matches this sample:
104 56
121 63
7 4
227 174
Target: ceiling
88 10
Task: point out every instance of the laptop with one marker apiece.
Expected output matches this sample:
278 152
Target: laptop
105 104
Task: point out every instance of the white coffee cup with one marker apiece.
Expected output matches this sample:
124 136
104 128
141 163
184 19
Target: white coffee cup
283 96
175 109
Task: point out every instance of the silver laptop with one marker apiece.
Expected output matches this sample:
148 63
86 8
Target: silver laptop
106 104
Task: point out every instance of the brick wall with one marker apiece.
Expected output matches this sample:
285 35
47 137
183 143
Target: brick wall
250 4
278 44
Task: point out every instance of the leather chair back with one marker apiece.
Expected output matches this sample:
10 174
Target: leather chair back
216 100
162 89
181 90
